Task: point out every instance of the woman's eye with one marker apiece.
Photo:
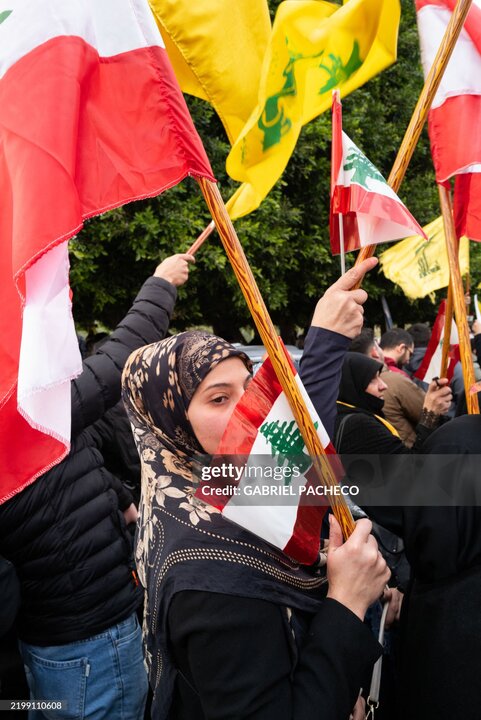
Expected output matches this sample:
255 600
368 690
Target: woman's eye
219 399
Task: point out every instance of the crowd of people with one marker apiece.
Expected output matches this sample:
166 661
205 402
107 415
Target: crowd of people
233 628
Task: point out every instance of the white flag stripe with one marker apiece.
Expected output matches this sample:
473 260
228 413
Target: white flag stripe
434 367
432 22
110 26
370 226
274 523
49 352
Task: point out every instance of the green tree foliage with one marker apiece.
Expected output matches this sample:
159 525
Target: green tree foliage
286 240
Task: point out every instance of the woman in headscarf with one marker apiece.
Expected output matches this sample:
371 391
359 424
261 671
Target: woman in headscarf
360 426
233 627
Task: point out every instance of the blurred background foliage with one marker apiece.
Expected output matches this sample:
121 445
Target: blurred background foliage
286 240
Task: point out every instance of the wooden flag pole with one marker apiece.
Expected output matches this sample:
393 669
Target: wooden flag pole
423 105
275 350
202 237
448 321
458 300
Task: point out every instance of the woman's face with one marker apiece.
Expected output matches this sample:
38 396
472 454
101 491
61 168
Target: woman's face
377 386
215 399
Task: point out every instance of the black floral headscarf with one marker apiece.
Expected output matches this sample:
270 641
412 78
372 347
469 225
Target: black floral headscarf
182 544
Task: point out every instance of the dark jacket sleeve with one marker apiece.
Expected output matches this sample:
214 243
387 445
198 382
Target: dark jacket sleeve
10 594
98 387
237 660
125 496
320 371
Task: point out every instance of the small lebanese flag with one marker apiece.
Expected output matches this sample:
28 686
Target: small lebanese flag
266 454
430 366
368 210
91 117
455 115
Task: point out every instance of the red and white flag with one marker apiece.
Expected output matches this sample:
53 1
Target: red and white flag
91 117
455 114
262 478
361 200
430 366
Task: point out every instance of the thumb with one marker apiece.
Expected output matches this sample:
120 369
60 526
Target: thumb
335 534
355 275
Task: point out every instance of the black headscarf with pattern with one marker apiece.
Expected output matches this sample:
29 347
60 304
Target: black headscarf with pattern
182 544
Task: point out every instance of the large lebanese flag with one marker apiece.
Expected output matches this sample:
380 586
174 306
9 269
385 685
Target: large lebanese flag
363 206
455 115
91 117
265 481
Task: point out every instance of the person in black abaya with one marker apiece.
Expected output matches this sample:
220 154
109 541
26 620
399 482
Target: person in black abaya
361 427
441 618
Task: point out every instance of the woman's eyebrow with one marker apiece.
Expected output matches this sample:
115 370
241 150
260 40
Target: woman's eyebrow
218 385
213 386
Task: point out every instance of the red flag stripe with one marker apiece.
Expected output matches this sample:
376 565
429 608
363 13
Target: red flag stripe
80 133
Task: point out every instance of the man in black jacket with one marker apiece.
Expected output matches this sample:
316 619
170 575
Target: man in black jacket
67 536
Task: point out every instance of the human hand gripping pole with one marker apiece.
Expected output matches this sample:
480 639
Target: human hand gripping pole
341 307
175 269
356 571
438 397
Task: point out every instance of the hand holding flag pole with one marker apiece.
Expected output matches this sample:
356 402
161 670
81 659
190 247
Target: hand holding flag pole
275 351
423 104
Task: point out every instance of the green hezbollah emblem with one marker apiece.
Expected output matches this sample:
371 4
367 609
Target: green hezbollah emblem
339 73
423 263
363 168
273 121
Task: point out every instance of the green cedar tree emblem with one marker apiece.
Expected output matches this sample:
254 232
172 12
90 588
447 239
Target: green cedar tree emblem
363 168
287 443
4 15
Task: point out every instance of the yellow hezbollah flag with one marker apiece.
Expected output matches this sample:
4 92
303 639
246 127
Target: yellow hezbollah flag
418 266
315 46
216 49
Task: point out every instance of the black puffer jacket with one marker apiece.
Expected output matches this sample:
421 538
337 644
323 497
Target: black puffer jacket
66 533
